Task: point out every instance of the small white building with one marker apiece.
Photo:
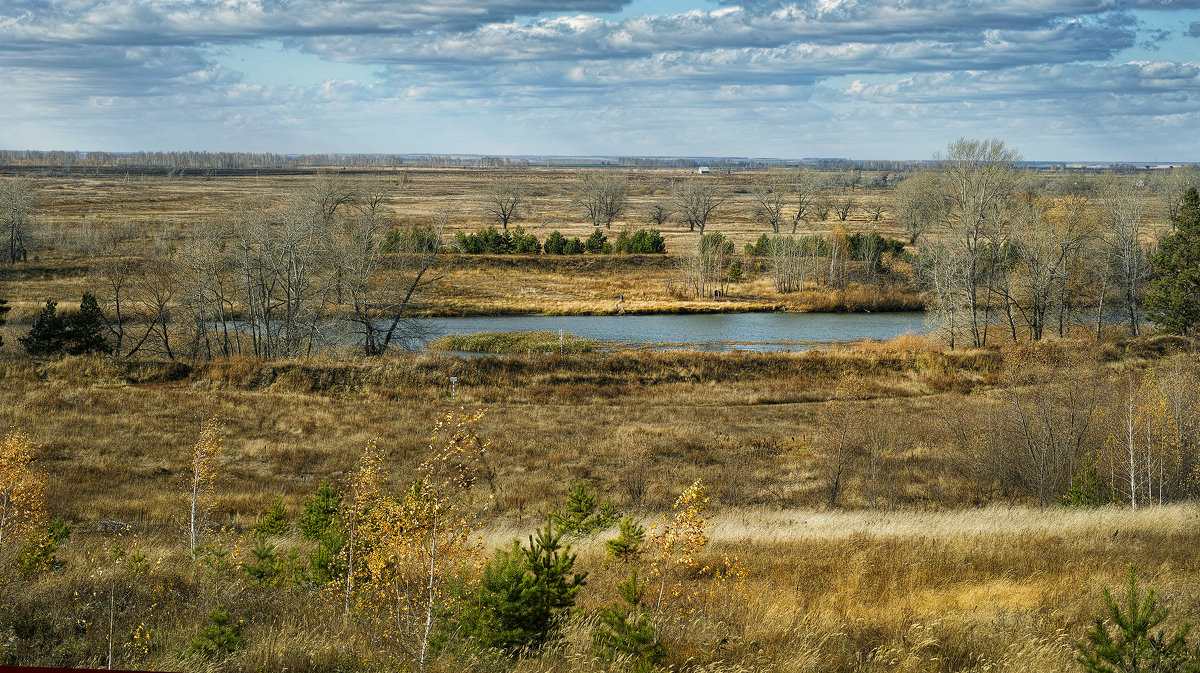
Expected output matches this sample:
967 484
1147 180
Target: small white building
703 169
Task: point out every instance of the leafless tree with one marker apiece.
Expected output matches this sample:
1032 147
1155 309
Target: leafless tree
1120 204
1052 414
382 284
329 193
704 270
602 197
18 198
977 177
504 199
695 201
770 200
658 213
1174 185
918 204
1046 238
843 206
805 186
840 435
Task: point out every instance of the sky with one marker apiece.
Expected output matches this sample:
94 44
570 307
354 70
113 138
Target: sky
1058 80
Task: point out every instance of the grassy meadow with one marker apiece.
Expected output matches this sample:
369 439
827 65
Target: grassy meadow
884 506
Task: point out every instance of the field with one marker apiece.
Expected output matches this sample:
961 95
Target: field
878 507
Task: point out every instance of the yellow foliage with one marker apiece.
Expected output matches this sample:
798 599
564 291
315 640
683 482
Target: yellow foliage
424 537
22 488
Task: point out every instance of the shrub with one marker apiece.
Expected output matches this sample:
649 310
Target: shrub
221 636
525 244
320 511
628 629
597 243
573 247
760 248
582 517
266 567
486 242
555 243
48 335
411 239
627 545
642 242
522 597
85 329
40 551
4 308
274 521
1130 646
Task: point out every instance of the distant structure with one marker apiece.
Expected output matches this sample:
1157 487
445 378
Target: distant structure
702 169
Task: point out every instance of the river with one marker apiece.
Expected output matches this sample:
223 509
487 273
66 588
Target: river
711 331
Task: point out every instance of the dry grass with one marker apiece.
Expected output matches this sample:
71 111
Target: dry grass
923 581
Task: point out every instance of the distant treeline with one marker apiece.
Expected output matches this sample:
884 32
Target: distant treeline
243 160
491 242
271 160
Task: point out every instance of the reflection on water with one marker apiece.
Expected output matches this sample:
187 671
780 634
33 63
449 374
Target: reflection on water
717 332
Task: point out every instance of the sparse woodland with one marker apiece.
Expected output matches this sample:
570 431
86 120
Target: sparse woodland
219 452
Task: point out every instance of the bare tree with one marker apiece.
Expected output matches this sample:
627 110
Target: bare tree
1120 204
770 200
658 213
805 186
18 198
1046 237
843 206
504 199
918 204
977 177
602 197
695 201
383 283
329 193
705 269
1174 185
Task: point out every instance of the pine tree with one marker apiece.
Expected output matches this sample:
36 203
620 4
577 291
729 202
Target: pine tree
48 335
524 591
582 517
1134 648
85 329
627 545
628 630
1173 297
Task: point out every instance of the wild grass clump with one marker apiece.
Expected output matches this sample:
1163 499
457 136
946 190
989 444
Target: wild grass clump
513 342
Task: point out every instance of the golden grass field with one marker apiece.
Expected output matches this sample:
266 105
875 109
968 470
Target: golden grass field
929 560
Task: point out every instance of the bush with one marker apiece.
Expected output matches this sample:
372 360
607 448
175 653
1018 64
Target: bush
221 636
627 545
78 334
525 244
642 242
582 517
274 521
573 247
760 248
628 630
4 308
320 511
1134 648
522 597
411 239
48 335
597 243
555 243
486 242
